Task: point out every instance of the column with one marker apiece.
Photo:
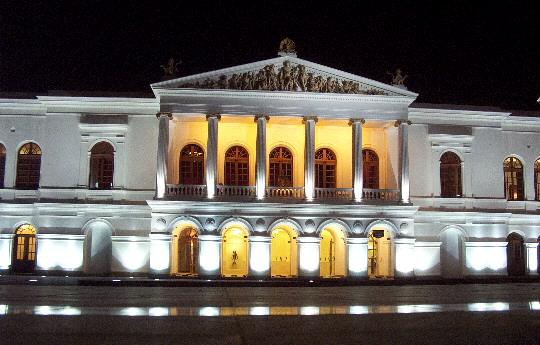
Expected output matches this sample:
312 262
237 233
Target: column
209 256
357 248
308 256
211 155
309 158
260 164
403 130
259 256
358 179
162 153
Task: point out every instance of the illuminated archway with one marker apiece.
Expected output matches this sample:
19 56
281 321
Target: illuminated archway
515 255
333 252
284 252
381 252
24 249
234 252
452 252
97 250
185 250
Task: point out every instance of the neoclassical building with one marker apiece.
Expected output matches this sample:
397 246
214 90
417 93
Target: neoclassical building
281 168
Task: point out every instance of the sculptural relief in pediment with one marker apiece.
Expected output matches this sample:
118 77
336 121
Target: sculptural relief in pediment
288 77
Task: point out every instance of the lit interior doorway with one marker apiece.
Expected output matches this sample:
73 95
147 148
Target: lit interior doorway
515 255
24 249
185 251
332 253
284 260
234 252
380 253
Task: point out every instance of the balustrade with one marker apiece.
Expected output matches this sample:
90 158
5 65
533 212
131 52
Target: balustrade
296 193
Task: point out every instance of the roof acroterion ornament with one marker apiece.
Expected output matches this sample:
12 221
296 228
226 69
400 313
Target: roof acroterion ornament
287 47
398 79
170 70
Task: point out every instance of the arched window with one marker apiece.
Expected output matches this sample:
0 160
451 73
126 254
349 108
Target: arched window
191 165
513 179
281 168
370 167
450 175
28 166
2 165
237 166
325 168
537 180
101 166
24 249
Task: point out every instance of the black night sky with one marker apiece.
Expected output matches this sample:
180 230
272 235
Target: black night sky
485 54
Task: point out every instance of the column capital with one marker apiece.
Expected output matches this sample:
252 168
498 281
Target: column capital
307 118
163 114
402 122
218 116
351 121
266 117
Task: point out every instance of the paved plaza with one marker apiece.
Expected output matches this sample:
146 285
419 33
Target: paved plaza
507 313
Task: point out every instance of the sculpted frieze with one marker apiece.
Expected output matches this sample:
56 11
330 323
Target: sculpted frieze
287 77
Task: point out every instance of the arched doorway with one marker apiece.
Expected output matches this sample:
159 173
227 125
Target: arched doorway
24 249
281 168
192 165
185 251
234 252
450 174
513 179
325 168
2 164
515 255
333 252
370 167
380 253
101 166
28 166
237 166
283 252
452 253
98 248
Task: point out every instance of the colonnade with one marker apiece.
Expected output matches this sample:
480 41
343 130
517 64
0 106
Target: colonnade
260 164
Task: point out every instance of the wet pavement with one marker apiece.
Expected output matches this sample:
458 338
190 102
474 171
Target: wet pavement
506 313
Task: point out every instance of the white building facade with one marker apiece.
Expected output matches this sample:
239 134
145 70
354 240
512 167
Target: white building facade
281 168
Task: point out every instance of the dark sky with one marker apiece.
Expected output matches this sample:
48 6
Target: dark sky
485 54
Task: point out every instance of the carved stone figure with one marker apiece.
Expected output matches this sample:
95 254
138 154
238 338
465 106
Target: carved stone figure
271 78
285 77
287 46
397 78
170 70
301 77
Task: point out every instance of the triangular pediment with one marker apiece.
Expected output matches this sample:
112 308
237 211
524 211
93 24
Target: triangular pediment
284 73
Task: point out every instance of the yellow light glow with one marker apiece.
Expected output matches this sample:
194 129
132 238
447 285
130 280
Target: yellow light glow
234 259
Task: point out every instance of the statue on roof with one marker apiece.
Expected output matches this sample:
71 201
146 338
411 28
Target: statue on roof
287 47
170 70
398 79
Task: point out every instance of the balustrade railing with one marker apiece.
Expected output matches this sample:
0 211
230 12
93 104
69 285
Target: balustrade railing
297 193
240 191
189 190
381 194
285 192
334 193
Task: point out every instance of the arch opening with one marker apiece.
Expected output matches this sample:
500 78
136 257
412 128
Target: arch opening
28 166
450 175
333 252
234 252
185 251
24 249
452 253
97 254
513 179
370 167
515 255
237 166
381 253
101 166
191 165
284 252
2 164
281 167
325 168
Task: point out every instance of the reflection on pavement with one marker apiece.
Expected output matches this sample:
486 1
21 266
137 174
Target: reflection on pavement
261 310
